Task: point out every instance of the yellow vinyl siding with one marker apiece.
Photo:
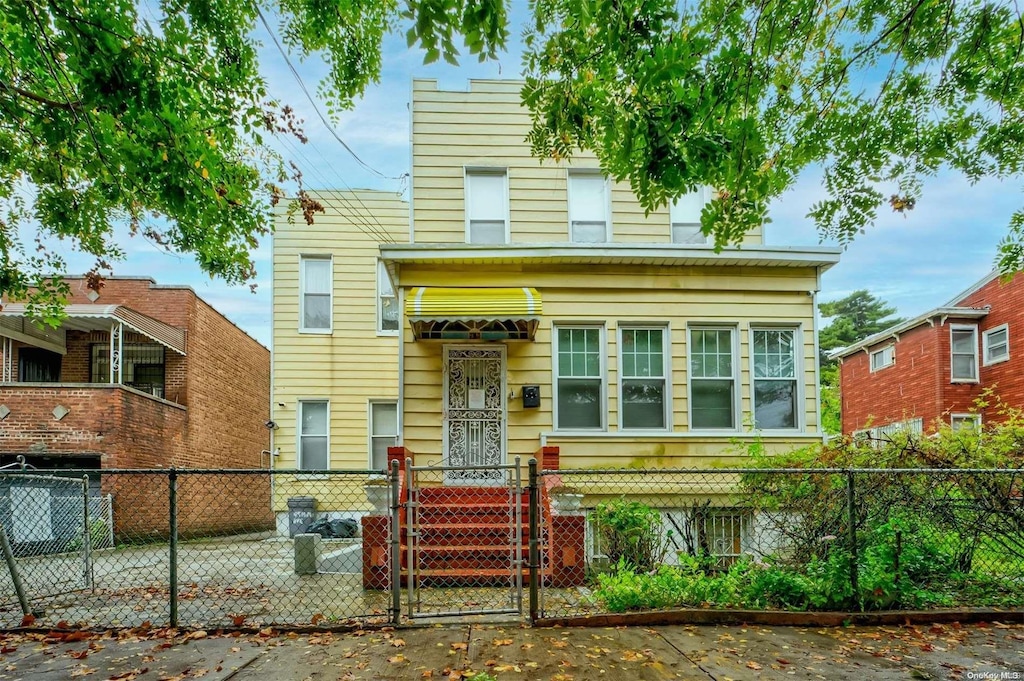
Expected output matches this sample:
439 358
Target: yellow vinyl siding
735 297
486 127
352 364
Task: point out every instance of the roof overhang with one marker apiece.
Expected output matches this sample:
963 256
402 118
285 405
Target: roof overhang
473 313
894 332
681 255
16 323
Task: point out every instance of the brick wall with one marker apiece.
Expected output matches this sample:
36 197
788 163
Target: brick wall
907 389
1007 307
224 381
920 385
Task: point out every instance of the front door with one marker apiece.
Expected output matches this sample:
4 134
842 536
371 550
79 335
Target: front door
474 414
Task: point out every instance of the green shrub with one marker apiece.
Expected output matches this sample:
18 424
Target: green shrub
630 534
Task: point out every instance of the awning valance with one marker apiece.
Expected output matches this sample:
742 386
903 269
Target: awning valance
473 313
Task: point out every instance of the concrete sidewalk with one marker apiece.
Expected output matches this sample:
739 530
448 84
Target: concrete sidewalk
515 652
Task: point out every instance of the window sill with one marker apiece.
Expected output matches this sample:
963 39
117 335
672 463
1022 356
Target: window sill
996 361
381 333
968 381
317 332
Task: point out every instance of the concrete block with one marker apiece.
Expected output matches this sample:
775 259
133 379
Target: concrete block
307 553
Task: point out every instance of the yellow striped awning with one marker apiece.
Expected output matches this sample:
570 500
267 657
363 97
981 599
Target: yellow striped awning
472 303
494 314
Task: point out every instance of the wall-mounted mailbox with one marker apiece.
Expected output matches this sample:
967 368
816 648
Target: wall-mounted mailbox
531 396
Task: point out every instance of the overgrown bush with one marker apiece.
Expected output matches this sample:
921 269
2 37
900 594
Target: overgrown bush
630 534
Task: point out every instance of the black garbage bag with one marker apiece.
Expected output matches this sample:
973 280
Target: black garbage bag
345 528
333 529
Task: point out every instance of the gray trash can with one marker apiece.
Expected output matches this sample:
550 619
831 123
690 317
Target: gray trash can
301 512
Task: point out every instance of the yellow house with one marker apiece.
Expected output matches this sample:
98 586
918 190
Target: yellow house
535 304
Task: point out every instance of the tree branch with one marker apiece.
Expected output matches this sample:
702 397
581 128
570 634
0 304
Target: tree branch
39 99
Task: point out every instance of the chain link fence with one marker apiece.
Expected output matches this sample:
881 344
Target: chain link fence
794 539
195 548
257 548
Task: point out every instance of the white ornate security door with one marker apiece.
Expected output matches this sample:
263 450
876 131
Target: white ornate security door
474 414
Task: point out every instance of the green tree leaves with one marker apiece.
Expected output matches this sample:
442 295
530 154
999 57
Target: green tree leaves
742 96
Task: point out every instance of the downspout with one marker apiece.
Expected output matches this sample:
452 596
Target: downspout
401 365
817 356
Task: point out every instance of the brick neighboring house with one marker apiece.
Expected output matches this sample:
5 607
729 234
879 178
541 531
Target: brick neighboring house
933 367
190 390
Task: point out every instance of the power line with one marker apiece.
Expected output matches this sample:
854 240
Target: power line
316 108
344 207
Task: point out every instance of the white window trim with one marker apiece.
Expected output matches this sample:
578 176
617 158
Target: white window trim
966 416
984 344
666 347
303 259
977 364
370 404
871 355
607 197
800 425
381 331
487 170
705 190
736 393
298 429
602 354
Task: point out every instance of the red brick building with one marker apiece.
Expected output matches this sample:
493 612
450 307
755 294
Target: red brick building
138 376
932 368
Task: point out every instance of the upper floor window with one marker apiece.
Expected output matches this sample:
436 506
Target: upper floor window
383 432
588 208
883 358
685 215
387 302
644 381
775 382
315 293
579 377
963 348
487 206
712 379
997 344
314 452
142 366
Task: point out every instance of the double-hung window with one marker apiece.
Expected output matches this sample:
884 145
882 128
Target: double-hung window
685 215
579 380
712 379
997 344
387 302
313 435
963 348
644 391
315 285
487 206
588 207
383 432
775 384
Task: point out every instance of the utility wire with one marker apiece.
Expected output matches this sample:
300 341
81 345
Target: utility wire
316 108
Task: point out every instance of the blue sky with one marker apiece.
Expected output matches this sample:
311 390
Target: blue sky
915 261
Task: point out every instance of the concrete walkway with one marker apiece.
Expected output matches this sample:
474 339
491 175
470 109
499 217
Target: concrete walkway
513 652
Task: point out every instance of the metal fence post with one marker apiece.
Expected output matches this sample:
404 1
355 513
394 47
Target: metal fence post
534 520
851 511
87 534
396 546
172 484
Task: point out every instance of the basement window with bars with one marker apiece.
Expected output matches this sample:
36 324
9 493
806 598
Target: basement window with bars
142 366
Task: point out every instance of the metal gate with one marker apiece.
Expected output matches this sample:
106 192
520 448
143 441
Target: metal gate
465 548
51 525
